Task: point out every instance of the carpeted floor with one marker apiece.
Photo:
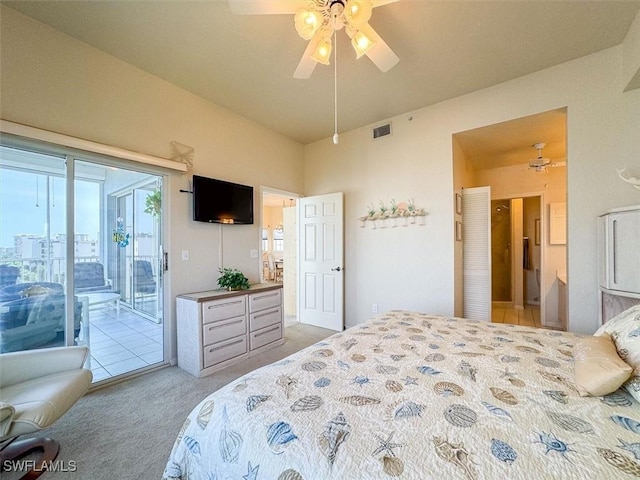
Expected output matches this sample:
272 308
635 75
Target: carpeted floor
126 431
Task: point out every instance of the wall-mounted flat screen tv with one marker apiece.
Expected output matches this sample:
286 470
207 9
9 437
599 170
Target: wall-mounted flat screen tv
217 201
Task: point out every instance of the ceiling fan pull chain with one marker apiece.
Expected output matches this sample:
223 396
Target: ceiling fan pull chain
335 89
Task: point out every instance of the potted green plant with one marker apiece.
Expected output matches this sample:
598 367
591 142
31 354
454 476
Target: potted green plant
232 279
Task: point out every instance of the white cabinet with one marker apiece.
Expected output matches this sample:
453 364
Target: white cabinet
619 241
217 329
618 259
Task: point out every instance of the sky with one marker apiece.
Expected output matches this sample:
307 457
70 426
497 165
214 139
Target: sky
23 206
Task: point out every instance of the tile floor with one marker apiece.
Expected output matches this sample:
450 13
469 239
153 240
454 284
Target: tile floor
530 316
121 343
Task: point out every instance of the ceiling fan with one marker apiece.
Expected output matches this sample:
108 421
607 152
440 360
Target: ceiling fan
318 20
539 164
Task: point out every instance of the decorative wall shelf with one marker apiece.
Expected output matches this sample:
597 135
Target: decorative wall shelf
402 214
626 175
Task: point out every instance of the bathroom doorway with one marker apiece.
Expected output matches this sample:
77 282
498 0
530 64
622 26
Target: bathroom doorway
516 259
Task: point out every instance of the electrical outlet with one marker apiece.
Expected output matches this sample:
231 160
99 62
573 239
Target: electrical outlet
253 253
185 255
374 308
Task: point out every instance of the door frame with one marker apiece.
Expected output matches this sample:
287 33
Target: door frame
543 295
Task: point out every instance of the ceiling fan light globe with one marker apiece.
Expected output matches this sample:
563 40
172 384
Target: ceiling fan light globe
322 52
358 12
307 23
361 44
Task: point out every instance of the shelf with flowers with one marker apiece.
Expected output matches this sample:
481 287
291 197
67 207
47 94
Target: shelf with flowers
394 215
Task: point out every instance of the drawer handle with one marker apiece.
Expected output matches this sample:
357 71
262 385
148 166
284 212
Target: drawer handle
266 296
212 327
226 304
240 340
267 331
266 313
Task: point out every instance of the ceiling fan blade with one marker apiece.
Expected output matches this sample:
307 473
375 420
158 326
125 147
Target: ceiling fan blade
264 7
380 53
307 64
379 3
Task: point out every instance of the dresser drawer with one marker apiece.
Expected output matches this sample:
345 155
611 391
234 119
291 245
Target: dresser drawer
221 351
266 335
265 318
214 332
268 299
216 310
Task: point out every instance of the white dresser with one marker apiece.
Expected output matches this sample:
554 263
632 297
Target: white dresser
219 328
619 260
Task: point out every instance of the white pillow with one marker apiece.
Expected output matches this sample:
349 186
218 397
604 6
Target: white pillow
624 329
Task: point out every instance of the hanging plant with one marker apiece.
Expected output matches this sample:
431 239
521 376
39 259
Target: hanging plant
153 203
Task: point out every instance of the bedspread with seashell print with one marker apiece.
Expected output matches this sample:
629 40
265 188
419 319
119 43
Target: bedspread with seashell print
413 396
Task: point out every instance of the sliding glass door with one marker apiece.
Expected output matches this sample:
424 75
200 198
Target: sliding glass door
111 249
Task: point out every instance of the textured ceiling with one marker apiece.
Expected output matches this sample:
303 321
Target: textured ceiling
246 63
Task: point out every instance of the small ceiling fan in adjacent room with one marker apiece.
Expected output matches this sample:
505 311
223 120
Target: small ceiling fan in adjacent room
540 163
318 20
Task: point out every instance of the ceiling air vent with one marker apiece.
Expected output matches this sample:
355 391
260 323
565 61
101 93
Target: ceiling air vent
382 131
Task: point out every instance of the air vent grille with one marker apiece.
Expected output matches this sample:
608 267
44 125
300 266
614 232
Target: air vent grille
382 131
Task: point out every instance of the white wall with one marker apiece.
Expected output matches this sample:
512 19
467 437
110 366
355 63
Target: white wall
414 268
54 82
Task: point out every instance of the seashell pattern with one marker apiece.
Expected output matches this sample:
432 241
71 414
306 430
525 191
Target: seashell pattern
456 454
313 366
628 423
204 415
435 357
406 410
335 433
557 395
393 386
503 451
447 389
279 434
386 369
255 400
504 396
229 441
308 403
460 415
414 396
622 463
547 362
290 474
359 400
392 466
497 411
570 423
619 398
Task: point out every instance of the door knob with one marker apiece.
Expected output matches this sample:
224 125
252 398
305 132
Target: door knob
337 269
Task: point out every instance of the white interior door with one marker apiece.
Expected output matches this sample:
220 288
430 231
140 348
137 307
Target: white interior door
320 261
476 246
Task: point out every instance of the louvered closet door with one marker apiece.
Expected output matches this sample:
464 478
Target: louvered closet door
476 246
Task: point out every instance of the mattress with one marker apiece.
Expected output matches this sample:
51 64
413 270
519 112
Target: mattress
413 396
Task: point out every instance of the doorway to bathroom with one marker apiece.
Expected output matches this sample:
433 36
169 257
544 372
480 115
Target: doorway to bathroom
516 260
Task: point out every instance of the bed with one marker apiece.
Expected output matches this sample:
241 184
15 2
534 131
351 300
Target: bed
413 396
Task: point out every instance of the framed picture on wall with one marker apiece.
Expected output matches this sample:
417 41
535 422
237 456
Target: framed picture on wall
537 232
458 231
458 204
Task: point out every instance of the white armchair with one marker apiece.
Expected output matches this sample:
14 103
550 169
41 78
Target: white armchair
36 388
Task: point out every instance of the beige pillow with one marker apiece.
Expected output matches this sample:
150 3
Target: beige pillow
597 367
624 329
